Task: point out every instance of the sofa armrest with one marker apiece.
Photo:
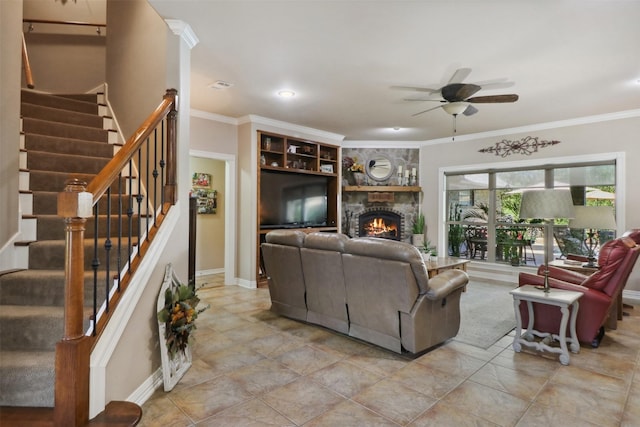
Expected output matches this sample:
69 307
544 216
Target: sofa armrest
566 275
446 282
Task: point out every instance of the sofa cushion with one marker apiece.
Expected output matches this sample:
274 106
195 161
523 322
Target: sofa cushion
392 250
286 237
611 256
326 241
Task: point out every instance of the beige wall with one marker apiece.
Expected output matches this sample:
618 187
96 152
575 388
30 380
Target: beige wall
144 59
583 139
213 136
10 72
66 58
210 227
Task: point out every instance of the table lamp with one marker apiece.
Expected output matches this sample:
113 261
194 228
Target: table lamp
592 219
547 204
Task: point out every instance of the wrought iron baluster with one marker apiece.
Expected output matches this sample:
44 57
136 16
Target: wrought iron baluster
155 174
95 264
107 248
139 200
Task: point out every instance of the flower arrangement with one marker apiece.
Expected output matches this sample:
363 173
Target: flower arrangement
350 164
179 315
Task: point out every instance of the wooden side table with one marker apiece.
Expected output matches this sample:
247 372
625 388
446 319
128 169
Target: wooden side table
557 297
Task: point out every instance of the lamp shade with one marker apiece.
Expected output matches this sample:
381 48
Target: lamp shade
594 217
546 204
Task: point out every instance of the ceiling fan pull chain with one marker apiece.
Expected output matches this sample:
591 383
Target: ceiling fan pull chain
453 138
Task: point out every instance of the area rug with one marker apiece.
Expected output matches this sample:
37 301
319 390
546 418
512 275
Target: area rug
486 314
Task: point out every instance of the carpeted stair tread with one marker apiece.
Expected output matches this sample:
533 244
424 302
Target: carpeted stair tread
60 145
54 162
62 102
44 127
45 288
50 254
29 328
19 370
51 227
45 203
56 181
61 116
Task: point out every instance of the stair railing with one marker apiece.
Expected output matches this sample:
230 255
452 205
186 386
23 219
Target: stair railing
28 74
131 195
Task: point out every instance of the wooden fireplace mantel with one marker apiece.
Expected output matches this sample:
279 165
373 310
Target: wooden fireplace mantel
387 188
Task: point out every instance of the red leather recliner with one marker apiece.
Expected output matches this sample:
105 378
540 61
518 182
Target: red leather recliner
601 290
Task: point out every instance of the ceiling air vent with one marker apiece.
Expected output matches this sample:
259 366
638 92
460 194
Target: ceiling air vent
220 84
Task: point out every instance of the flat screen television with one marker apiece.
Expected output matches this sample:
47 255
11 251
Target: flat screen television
292 200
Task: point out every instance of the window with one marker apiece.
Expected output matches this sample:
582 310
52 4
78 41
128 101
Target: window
483 220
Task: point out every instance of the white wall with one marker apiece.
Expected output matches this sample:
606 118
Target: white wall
596 139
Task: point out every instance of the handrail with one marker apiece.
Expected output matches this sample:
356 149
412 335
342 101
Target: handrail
48 21
75 205
110 172
28 74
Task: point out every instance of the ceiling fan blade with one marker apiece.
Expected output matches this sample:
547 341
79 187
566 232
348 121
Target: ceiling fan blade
493 98
416 88
471 110
425 111
424 100
495 85
457 92
459 75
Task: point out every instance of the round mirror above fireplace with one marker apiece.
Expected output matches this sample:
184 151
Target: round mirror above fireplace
378 167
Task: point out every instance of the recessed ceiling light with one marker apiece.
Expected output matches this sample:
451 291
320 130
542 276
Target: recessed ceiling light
286 94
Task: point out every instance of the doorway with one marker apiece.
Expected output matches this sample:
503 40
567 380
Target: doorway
215 234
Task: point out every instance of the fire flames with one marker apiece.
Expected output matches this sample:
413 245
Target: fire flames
377 227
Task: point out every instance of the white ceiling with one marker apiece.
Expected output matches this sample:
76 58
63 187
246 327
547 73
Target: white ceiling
567 59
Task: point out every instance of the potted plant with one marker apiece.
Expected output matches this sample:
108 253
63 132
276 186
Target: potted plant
418 230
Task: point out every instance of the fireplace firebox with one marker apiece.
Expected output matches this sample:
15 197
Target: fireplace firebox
380 223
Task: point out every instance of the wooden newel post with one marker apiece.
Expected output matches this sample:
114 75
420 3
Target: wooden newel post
73 351
172 143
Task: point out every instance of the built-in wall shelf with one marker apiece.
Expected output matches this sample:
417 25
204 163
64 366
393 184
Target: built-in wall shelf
387 188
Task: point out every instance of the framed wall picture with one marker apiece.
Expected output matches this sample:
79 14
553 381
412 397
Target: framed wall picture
201 180
207 200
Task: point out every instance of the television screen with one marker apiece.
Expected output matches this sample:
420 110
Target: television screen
292 200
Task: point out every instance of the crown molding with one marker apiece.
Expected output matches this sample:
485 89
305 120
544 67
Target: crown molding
213 117
415 144
540 126
252 118
182 29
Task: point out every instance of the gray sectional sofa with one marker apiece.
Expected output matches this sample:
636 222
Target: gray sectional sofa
377 290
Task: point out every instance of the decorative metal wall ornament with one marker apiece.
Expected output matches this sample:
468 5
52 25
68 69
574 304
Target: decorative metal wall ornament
526 146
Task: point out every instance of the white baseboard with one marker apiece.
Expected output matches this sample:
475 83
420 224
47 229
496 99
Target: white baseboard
147 388
631 296
249 284
210 271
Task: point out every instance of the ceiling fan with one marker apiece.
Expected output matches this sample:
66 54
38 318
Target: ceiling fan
456 97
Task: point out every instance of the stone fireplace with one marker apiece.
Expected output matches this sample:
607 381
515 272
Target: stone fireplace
391 219
381 222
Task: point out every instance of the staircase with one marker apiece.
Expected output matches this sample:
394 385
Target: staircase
64 136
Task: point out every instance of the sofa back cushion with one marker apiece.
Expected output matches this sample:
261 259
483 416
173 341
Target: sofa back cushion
283 265
392 250
324 280
613 263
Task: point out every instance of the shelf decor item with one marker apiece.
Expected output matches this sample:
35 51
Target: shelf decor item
177 313
351 167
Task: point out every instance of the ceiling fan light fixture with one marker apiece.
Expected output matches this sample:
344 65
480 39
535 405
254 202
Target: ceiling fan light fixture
455 108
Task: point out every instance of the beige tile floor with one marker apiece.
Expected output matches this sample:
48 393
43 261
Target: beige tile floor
253 368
